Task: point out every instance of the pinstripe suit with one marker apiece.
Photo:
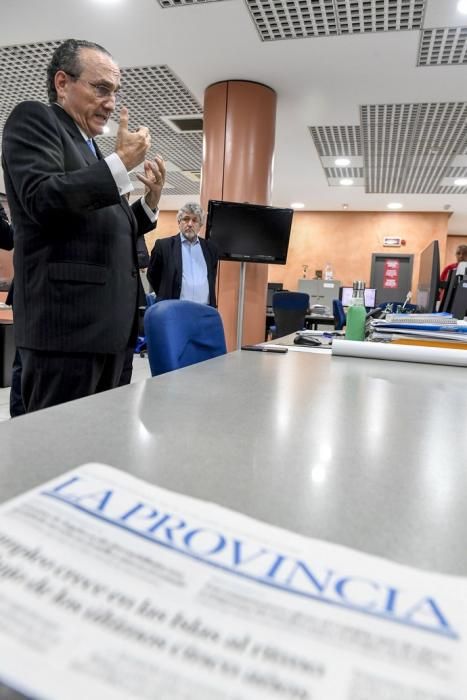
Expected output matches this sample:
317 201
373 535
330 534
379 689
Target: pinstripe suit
76 271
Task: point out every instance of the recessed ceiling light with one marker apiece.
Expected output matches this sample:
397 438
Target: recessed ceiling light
460 182
394 205
462 7
342 162
346 181
297 205
345 206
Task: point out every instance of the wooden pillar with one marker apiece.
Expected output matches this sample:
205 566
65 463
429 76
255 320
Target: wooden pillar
238 150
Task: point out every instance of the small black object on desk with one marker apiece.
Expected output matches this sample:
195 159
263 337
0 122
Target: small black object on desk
264 348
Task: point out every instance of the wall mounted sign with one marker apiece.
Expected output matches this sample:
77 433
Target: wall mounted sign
391 241
391 274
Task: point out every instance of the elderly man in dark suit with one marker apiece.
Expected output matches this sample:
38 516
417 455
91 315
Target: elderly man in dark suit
184 266
76 270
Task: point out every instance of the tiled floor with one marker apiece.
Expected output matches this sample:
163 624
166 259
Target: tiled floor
140 371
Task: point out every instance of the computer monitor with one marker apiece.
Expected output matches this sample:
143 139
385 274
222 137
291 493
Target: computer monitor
345 295
249 232
428 278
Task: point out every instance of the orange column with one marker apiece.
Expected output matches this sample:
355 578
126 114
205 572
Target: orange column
238 150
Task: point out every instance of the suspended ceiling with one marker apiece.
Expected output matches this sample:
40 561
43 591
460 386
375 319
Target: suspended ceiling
382 82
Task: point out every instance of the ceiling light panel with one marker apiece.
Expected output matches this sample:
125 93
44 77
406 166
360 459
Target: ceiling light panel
296 19
379 15
22 70
443 47
335 140
180 3
455 172
151 92
293 19
407 147
451 189
339 173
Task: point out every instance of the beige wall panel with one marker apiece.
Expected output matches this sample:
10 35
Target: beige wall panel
348 239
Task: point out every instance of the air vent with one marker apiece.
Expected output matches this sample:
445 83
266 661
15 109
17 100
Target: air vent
185 123
446 46
193 175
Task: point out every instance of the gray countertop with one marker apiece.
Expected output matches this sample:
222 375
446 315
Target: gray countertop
369 454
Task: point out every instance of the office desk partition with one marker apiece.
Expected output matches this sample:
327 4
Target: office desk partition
365 453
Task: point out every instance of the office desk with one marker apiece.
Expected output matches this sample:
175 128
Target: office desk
369 454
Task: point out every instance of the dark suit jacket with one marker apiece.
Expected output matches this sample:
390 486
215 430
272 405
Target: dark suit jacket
165 267
76 271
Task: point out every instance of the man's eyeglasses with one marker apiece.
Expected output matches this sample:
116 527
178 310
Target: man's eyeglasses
101 91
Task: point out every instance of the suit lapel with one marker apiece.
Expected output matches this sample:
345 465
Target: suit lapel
177 256
72 130
69 125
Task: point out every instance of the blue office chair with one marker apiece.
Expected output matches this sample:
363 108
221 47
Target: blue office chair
181 333
290 309
339 314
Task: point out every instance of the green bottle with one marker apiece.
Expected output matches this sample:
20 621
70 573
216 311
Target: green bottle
356 313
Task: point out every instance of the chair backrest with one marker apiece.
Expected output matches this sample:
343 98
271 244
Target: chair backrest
273 287
339 314
181 333
289 311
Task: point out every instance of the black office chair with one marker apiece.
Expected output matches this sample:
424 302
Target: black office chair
289 310
339 314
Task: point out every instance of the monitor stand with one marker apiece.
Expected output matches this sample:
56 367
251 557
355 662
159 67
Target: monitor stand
241 302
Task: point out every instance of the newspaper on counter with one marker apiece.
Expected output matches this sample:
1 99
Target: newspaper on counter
111 588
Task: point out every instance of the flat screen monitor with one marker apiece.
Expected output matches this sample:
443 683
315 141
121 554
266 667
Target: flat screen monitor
249 232
369 297
428 278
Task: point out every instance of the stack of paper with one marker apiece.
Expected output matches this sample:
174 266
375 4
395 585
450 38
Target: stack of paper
432 330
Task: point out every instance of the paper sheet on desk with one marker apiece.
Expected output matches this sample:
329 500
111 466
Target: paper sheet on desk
401 353
114 589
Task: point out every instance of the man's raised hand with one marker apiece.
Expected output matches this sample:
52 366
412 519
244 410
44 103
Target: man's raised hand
131 146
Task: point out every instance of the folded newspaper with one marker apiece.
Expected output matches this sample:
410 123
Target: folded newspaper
114 589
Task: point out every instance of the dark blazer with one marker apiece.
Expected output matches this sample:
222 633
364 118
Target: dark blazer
76 270
165 267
